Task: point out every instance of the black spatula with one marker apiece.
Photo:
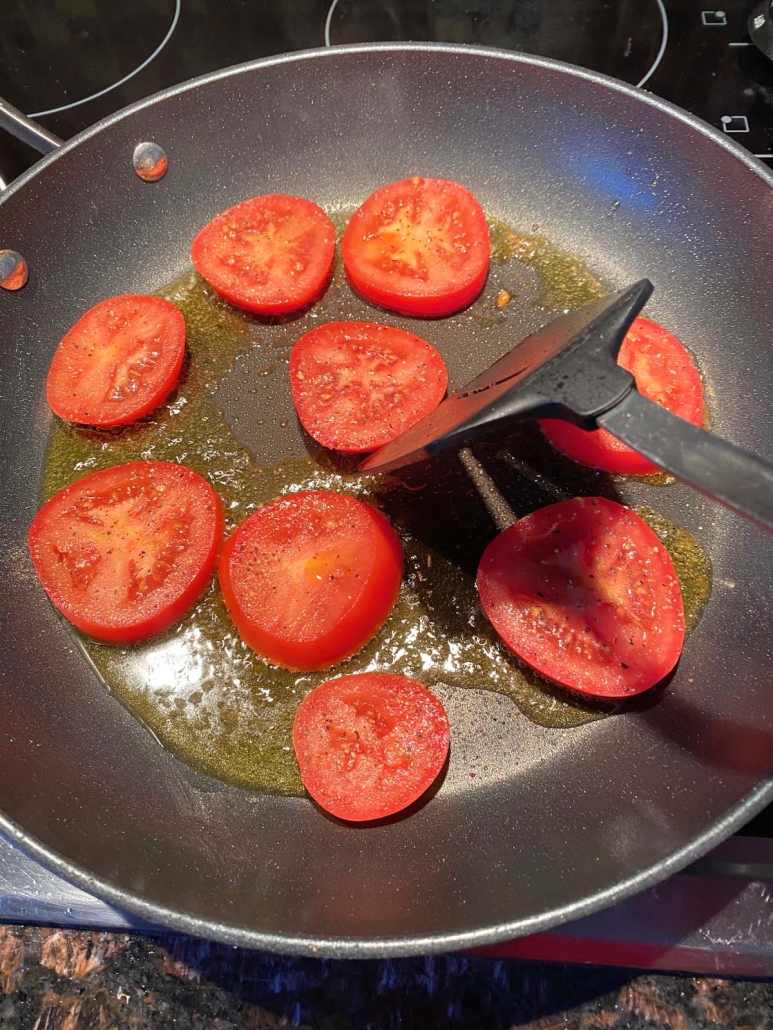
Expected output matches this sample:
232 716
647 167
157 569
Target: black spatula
569 370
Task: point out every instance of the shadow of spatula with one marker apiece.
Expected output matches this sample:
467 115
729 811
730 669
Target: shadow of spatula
568 370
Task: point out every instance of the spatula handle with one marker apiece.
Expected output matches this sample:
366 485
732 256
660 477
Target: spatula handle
729 474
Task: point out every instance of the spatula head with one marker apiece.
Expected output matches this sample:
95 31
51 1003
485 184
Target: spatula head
567 369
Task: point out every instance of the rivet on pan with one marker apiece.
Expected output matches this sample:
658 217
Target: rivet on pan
149 161
13 270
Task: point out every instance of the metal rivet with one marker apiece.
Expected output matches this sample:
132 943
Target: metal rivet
14 272
149 161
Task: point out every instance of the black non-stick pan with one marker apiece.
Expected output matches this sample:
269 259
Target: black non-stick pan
559 822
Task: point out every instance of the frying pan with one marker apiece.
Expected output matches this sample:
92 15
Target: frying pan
561 822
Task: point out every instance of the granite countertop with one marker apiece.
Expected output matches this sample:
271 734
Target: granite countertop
53 979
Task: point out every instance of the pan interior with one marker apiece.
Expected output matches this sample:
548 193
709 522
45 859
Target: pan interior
198 687
554 818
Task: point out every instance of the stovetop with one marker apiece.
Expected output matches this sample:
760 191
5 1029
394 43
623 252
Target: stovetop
69 64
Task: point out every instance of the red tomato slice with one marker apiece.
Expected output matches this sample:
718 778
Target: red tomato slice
370 744
271 254
358 385
664 372
118 362
585 593
419 246
125 552
311 577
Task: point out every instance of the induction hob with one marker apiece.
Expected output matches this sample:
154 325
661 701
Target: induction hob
68 65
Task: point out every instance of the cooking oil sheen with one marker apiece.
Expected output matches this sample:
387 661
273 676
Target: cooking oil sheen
203 692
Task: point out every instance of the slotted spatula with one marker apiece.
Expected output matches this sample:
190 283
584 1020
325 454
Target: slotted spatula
568 369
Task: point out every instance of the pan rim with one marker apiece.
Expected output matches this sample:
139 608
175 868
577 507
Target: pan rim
382 947
574 71
160 918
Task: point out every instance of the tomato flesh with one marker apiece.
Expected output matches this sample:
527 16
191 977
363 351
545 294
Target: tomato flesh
368 745
270 255
418 246
125 552
358 385
119 361
664 372
310 578
584 592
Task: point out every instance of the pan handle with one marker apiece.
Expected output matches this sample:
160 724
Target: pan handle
734 477
24 129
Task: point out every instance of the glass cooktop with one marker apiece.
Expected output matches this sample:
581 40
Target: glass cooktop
70 64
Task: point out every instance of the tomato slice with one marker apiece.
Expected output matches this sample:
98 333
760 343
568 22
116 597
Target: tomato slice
358 385
271 254
664 372
118 362
585 593
125 552
418 246
370 744
310 578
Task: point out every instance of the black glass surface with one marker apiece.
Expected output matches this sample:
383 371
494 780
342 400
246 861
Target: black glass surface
619 37
54 53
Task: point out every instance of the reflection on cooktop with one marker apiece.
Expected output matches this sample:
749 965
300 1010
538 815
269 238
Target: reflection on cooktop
618 37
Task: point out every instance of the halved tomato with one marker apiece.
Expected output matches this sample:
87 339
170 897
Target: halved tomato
125 552
664 372
358 385
585 593
370 744
310 578
118 362
271 254
418 246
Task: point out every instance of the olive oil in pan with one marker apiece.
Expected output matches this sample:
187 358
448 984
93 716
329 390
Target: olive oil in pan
207 696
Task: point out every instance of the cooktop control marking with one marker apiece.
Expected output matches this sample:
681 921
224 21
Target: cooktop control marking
735 123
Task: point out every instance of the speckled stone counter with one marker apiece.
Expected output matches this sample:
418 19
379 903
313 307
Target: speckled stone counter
79 980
